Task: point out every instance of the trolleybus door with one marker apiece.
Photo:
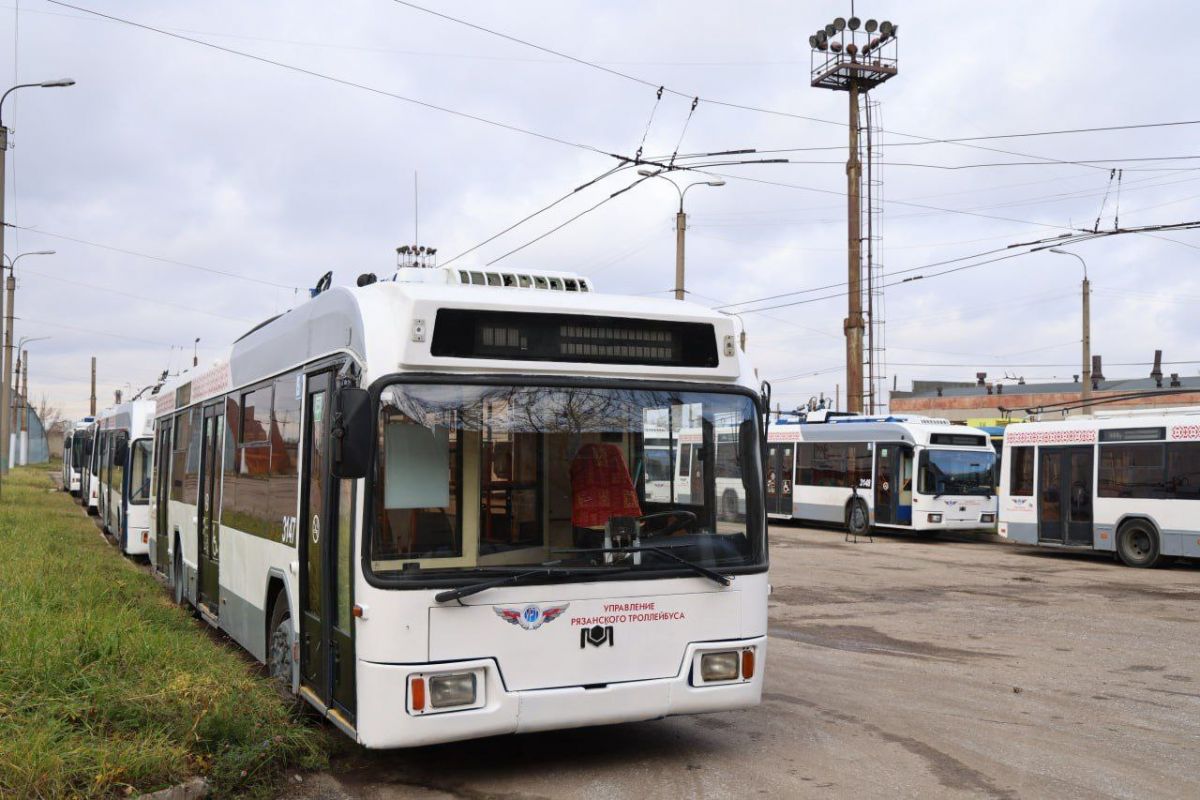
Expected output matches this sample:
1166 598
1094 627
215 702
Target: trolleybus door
162 494
1065 495
209 510
326 506
893 483
781 462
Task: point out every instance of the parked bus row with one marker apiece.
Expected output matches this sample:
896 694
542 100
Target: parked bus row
453 504
438 506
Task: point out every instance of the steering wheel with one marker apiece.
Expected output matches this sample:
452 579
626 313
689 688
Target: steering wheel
686 518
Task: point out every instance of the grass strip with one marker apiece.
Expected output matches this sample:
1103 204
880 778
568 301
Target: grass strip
106 688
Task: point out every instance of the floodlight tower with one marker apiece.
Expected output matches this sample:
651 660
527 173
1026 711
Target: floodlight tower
849 56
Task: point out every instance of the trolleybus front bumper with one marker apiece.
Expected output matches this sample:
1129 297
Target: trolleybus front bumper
386 718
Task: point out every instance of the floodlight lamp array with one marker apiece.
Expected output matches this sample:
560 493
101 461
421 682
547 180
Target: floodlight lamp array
831 38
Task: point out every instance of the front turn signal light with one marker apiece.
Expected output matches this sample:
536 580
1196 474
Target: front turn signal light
747 664
418 694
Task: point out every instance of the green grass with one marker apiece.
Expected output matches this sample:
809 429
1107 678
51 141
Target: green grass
106 688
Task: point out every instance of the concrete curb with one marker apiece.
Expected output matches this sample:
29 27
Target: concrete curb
194 789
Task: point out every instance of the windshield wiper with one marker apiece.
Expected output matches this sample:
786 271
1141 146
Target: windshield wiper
508 580
712 575
483 586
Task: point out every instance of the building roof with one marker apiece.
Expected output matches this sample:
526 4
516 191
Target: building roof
956 389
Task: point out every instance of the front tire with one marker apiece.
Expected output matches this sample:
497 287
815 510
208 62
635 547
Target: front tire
858 519
279 642
1137 544
729 504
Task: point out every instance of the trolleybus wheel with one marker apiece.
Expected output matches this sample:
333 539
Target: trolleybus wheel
858 519
279 646
729 504
1137 544
177 579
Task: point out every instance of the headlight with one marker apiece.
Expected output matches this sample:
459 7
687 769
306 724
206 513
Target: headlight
452 689
446 691
721 666
935 517
987 517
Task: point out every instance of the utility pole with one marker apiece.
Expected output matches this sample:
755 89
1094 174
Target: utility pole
680 227
6 397
1085 393
23 437
853 324
5 390
845 60
680 223
14 442
4 406
92 402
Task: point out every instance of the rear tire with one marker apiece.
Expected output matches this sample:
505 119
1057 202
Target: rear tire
177 579
1138 545
858 519
279 642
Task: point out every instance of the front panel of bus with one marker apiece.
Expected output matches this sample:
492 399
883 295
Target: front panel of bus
594 524
954 486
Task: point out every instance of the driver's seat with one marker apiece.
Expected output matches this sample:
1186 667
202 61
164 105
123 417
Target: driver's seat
601 488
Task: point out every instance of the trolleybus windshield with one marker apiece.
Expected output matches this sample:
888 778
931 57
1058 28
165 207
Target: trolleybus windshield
474 478
958 472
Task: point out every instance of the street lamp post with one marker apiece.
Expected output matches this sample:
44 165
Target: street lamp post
19 446
680 223
1086 394
6 385
5 396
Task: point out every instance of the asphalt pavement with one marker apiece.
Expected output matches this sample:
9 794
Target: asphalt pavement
896 668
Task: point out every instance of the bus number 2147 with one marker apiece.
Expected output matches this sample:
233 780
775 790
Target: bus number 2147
291 527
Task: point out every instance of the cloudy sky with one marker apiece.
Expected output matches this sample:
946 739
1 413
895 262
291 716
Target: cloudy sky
190 192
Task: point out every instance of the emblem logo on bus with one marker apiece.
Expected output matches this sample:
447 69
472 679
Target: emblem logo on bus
530 617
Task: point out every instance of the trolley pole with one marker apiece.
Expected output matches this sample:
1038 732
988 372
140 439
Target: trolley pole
853 325
92 402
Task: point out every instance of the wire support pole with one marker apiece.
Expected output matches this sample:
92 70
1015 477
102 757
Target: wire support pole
853 324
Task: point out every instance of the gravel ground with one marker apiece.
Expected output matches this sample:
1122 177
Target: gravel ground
896 668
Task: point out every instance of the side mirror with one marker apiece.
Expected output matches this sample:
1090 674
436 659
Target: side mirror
353 433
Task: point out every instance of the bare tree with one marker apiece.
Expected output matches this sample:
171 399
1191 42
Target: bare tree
51 416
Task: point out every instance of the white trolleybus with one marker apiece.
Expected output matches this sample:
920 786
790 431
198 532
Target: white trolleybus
89 473
438 506
124 438
898 472
77 446
1127 483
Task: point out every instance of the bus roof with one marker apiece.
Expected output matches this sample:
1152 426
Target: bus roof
135 416
1178 426
921 431
389 327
